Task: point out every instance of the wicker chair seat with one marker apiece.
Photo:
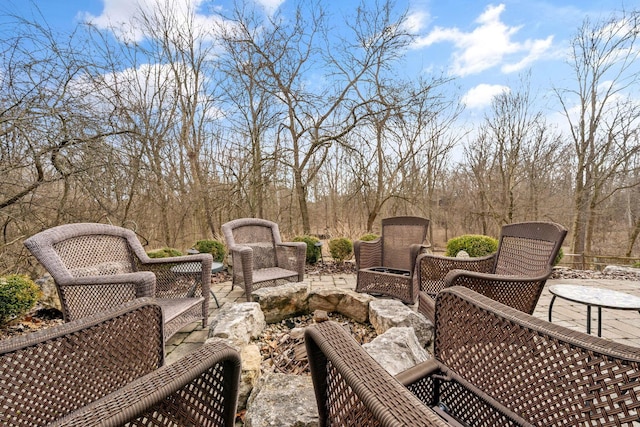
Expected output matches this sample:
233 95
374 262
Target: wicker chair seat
273 273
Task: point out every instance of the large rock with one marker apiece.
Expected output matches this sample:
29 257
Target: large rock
50 298
354 305
385 314
251 360
238 323
281 400
617 270
281 302
397 350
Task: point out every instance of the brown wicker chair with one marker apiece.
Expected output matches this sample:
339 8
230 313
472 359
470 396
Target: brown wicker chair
259 256
493 365
514 275
107 370
386 265
98 266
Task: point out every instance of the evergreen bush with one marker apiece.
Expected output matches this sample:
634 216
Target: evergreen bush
340 248
314 252
213 247
476 245
164 253
369 237
18 295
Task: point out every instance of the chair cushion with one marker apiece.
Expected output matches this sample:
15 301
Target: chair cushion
274 273
264 255
174 307
102 269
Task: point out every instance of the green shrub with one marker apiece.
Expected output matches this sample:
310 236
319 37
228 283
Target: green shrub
18 295
164 253
213 247
636 264
340 248
476 245
369 237
558 257
314 252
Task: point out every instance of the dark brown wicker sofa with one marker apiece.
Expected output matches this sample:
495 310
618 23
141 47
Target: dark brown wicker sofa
493 366
107 370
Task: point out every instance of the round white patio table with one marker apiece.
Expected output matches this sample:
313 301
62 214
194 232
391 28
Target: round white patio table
592 296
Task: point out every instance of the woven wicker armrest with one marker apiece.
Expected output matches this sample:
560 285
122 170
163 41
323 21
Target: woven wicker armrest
241 252
199 390
354 390
203 258
171 276
368 253
143 282
292 256
433 269
425 382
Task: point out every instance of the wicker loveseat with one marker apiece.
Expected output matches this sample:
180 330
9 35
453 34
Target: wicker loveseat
493 366
107 370
99 266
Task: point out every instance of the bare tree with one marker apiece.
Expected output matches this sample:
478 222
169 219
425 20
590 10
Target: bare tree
314 117
511 158
51 137
604 59
404 145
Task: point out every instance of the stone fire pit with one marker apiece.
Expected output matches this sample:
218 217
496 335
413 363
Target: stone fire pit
268 397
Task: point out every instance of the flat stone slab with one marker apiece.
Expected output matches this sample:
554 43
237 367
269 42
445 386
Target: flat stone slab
282 400
238 323
283 301
385 314
397 350
354 305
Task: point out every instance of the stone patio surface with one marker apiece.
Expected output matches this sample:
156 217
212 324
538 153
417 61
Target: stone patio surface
617 325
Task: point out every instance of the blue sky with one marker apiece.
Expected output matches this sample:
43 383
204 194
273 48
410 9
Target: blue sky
485 46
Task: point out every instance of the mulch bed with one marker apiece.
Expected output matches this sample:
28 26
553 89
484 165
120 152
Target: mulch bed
282 344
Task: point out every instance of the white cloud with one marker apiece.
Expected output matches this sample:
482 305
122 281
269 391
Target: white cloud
487 46
123 17
270 6
416 21
482 95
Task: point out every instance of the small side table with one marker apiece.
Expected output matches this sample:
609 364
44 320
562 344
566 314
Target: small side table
196 268
592 296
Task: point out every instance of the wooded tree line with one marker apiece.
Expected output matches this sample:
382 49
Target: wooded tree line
302 120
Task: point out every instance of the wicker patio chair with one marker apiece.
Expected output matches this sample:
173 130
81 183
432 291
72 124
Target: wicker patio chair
259 256
107 370
493 365
98 266
386 265
514 275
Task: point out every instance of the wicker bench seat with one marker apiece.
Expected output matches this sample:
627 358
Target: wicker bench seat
493 365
